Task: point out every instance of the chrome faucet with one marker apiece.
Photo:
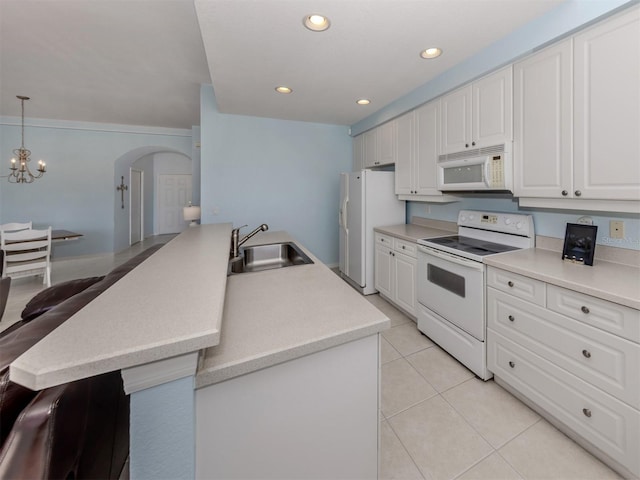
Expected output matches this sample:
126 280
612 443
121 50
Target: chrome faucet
235 235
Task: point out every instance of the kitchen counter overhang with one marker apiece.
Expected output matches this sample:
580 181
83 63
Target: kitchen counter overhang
180 300
169 305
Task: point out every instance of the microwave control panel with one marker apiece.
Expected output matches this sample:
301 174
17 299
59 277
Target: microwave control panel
497 171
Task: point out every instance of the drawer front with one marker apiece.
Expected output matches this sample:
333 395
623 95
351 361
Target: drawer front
611 317
607 423
518 285
604 360
382 239
408 248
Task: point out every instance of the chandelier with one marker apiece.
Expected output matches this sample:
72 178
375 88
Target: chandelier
20 172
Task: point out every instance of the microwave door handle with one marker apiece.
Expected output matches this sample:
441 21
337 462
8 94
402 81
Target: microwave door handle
486 174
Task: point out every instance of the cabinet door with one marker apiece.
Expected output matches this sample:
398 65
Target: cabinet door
456 120
358 153
382 271
607 109
404 160
542 158
427 119
387 135
492 122
405 282
370 142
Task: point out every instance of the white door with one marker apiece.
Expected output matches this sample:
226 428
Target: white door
425 173
492 122
404 160
455 117
342 224
543 156
607 110
174 193
355 226
136 207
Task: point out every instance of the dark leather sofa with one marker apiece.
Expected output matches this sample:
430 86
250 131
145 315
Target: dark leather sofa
76 430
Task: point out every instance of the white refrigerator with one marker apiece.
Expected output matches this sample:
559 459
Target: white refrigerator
367 200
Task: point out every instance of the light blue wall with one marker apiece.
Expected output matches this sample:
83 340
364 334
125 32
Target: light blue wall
283 173
85 162
550 223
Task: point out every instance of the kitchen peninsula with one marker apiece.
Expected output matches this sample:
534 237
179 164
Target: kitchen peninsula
284 351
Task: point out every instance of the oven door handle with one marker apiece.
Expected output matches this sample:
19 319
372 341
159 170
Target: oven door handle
452 258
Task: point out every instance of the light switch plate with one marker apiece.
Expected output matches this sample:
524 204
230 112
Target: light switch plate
616 229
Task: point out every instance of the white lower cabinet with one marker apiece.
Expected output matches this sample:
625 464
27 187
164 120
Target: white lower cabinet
312 417
575 357
395 269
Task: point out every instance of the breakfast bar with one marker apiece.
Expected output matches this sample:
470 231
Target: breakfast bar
188 338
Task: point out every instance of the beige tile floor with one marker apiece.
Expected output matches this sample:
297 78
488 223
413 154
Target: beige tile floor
438 421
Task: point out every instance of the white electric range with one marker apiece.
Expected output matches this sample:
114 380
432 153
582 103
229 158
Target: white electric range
451 281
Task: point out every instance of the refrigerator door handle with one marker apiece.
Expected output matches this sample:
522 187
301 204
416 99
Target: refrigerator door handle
343 213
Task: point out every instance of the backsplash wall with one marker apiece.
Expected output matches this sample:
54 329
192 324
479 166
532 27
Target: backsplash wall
550 223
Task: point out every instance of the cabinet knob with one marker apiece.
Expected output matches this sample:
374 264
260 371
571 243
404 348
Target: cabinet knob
564 193
382 239
587 412
510 283
466 145
473 144
578 193
403 247
584 309
511 318
586 353
511 364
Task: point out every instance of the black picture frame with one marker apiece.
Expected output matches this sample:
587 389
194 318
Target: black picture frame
580 243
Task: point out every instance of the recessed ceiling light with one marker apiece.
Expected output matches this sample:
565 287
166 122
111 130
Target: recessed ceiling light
432 52
283 89
316 22
363 101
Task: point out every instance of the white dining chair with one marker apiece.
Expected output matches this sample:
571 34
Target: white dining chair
15 226
26 252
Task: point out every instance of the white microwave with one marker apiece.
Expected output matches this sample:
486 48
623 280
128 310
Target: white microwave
475 172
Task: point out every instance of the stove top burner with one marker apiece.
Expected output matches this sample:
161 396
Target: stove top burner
471 245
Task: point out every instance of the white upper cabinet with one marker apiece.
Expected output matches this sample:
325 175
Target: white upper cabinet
607 109
418 148
387 143
479 114
405 160
376 147
542 139
577 120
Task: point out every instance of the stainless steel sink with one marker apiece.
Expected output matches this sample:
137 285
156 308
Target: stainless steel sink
267 257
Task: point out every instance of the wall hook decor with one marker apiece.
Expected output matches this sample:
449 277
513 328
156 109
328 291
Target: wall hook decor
122 188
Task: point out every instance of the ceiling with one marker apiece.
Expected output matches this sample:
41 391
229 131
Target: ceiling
141 62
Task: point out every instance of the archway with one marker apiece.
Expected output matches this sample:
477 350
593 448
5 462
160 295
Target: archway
150 160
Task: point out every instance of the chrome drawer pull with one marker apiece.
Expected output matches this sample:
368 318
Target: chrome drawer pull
511 364
510 283
511 318
586 353
587 412
584 309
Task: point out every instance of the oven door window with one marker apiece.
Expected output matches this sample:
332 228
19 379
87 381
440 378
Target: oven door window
446 279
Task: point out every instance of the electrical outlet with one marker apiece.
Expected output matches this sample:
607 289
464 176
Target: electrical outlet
616 229
427 209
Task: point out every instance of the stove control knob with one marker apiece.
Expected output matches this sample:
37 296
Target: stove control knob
463 218
471 217
507 221
519 225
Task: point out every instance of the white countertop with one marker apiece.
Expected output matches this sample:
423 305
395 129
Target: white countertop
169 305
607 280
282 314
412 232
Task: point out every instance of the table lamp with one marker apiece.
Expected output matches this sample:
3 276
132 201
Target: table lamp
191 213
